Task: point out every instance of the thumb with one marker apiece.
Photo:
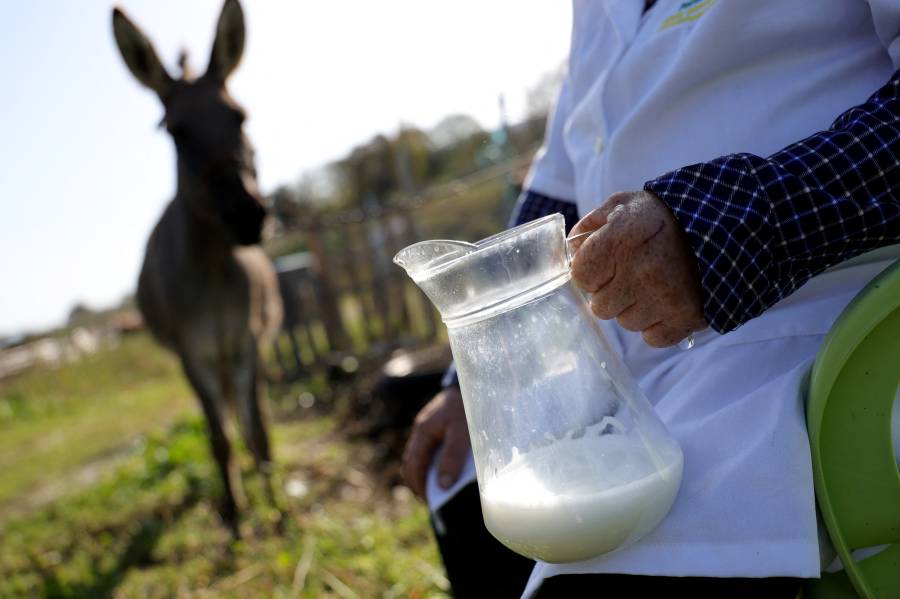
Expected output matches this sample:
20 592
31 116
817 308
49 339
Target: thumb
453 456
595 219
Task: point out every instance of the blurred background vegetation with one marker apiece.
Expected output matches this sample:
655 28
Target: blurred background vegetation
107 481
107 474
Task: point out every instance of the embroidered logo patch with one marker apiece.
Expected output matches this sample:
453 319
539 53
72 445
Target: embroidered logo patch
687 12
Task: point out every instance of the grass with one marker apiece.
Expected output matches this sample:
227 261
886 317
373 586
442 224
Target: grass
108 487
54 421
147 527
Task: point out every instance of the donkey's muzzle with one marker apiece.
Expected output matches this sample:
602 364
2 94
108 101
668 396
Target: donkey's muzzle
241 206
247 224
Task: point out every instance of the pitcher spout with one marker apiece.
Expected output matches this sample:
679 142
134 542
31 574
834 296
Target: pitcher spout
420 258
471 281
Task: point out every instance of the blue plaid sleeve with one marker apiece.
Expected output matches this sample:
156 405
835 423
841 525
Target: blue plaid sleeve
762 227
533 205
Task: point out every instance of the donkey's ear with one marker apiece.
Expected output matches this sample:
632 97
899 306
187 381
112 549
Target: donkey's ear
139 55
229 44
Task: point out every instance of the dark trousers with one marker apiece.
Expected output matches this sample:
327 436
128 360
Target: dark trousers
480 566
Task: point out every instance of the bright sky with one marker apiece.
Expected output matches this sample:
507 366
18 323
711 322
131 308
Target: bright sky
85 173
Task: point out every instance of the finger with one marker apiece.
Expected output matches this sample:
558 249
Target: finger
639 316
418 455
453 455
662 334
610 301
593 266
595 219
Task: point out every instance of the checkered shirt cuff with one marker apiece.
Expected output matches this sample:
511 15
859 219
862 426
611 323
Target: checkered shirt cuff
761 227
533 205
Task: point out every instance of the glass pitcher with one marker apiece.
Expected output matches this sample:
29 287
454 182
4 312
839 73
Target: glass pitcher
572 461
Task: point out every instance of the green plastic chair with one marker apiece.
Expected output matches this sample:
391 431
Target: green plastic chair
851 392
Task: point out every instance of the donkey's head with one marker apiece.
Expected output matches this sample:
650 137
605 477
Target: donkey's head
216 175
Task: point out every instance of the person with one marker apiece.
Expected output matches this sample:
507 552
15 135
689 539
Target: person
758 147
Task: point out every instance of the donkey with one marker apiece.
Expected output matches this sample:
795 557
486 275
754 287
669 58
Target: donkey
206 289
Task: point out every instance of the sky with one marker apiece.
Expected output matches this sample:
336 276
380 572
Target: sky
85 172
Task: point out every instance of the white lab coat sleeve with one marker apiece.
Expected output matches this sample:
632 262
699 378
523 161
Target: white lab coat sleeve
552 173
886 18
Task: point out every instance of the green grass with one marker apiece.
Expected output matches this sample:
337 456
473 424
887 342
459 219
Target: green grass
143 523
148 527
54 421
149 530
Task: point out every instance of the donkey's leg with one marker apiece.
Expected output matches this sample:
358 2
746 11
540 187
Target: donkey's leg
204 380
251 410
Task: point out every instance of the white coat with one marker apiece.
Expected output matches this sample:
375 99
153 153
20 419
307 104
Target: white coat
686 82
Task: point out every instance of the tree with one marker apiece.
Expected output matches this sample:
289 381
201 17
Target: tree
285 206
452 130
80 314
540 97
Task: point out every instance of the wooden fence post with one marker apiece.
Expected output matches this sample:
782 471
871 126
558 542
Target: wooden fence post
328 297
412 235
397 224
376 240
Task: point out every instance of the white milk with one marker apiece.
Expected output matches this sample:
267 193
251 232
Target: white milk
578 498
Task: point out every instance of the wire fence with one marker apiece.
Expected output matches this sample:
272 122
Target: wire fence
343 296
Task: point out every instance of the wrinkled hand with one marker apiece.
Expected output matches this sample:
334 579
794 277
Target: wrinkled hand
441 422
639 268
